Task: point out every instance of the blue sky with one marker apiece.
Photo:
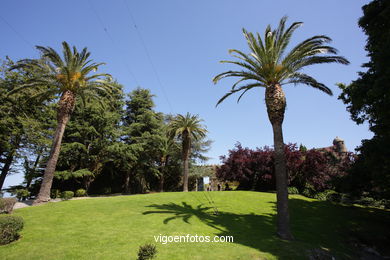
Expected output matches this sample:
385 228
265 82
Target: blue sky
185 41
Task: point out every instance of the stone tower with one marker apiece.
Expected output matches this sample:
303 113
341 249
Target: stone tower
339 145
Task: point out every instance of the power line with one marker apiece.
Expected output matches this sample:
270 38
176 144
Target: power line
148 55
17 33
113 42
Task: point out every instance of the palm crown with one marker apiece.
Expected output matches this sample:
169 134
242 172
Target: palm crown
269 63
187 126
71 73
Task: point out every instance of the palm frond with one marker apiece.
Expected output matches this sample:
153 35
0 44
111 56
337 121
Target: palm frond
301 78
268 61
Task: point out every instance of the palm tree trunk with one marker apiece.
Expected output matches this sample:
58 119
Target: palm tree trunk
276 106
186 146
65 108
185 174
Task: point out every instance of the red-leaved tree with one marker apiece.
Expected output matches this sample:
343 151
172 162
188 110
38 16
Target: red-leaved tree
254 169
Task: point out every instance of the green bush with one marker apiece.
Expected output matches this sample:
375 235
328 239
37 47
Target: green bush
7 204
320 196
80 193
365 201
22 194
385 203
9 228
371 202
55 193
309 191
67 195
147 251
324 195
334 197
292 190
339 198
346 198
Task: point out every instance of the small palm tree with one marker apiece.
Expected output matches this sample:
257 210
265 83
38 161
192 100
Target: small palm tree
65 78
270 66
186 128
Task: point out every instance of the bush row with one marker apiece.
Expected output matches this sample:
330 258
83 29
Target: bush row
333 196
66 195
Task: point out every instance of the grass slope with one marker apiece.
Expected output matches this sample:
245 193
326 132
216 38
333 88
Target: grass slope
115 227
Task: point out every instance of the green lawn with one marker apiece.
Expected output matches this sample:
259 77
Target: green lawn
114 228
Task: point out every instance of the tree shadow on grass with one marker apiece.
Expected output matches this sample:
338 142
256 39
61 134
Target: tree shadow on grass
315 224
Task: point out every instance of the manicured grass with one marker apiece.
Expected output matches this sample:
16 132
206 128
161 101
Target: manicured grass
115 227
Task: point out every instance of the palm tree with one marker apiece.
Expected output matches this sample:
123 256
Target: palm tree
64 78
270 66
186 128
165 145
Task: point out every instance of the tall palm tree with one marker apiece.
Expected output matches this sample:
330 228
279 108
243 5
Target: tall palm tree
186 128
65 78
269 65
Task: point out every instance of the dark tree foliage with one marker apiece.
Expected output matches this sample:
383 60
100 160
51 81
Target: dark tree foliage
91 130
25 124
143 130
254 169
368 100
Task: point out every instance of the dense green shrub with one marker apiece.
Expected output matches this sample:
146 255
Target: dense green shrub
147 251
339 198
365 201
7 204
308 191
292 190
386 204
320 196
346 198
371 202
80 193
334 197
67 195
9 228
22 194
324 195
55 193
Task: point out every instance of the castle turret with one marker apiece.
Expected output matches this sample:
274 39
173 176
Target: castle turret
339 145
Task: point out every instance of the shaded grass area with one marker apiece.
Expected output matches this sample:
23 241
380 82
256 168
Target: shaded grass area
114 228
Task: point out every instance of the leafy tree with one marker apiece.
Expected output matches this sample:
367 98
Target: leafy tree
143 129
270 66
187 128
255 169
166 150
66 78
92 129
23 124
368 100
